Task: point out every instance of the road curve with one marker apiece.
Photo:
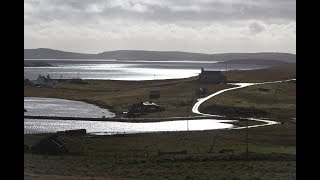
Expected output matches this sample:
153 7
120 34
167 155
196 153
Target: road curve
195 108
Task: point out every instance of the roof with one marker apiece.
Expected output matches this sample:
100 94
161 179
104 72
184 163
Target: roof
210 72
150 104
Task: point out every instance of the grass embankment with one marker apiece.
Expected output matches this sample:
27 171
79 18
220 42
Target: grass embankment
178 96
276 101
275 73
272 156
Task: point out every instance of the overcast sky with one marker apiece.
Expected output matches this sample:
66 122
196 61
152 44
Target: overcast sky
207 26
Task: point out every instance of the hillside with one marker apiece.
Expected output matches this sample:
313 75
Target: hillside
43 53
257 62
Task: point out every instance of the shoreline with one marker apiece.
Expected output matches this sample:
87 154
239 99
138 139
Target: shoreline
236 121
133 120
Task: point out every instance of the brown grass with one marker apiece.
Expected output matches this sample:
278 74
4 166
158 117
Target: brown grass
272 155
262 75
276 101
272 148
178 96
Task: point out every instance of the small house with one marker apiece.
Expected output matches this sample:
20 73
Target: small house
211 77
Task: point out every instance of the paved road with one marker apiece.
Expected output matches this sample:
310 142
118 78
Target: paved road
195 108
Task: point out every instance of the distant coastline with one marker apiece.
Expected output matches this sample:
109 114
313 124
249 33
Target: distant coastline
37 64
134 55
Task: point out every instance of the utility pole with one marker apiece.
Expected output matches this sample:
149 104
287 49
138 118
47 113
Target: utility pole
247 135
187 109
275 108
226 70
276 103
247 146
159 113
229 73
188 124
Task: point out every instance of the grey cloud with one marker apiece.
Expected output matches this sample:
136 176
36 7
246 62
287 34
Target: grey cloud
256 27
167 11
143 24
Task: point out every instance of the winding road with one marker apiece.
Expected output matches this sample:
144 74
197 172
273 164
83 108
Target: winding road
36 124
195 108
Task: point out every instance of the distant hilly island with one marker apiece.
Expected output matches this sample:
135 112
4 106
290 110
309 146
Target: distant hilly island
264 58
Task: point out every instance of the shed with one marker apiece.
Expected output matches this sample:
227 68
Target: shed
152 107
211 77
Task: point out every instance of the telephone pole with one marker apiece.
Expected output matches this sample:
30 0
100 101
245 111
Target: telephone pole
276 104
247 143
247 134
187 115
188 124
227 71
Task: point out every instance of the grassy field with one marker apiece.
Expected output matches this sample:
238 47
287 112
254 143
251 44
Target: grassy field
271 156
217 154
178 96
262 75
276 101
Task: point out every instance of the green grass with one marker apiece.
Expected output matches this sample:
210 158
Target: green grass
272 155
178 96
275 73
169 168
276 101
272 149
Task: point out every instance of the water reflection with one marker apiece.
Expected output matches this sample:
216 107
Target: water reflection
128 70
37 106
32 126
